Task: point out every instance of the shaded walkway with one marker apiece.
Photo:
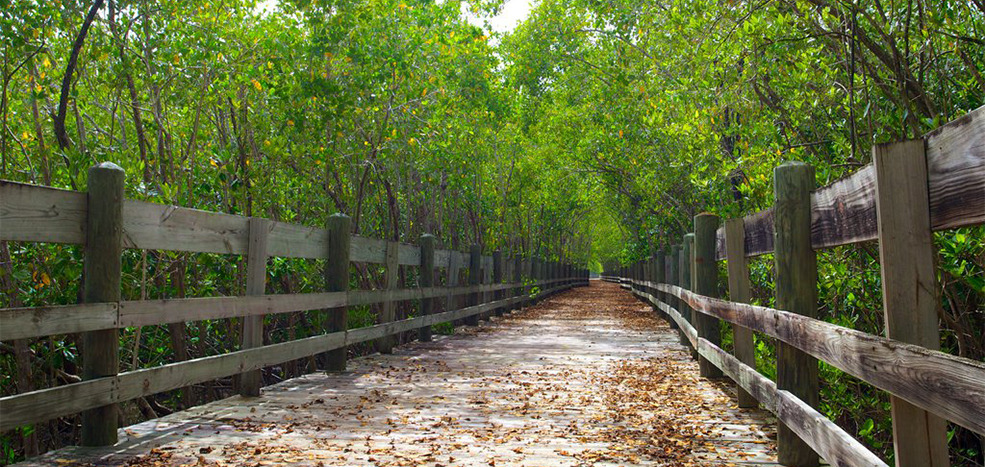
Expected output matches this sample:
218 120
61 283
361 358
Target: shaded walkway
589 376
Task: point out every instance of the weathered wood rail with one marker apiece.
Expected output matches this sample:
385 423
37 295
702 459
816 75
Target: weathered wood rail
911 190
107 223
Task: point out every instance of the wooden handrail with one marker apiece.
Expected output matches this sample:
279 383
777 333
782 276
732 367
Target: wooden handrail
844 212
34 213
823 435
27 322
45 404
950 386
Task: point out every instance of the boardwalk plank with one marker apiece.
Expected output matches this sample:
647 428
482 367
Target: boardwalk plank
576 379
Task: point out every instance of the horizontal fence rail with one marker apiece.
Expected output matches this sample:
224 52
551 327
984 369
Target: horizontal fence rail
45 404
20 323
35 213
823 435
911 190
951 386
30 213
844 212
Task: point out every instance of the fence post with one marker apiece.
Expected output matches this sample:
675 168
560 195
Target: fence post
636 273
547 272
498 279
256 284
390 274
534 277
337 280
704 274
549 277
453 300
426 280
673 278
687 253
796 291
517 279
740 290
909 287
475 275
103 258
484 279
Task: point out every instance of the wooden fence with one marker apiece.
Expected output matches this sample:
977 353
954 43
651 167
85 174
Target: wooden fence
106 223
910 190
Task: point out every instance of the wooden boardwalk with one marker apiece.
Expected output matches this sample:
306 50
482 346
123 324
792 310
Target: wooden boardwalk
588 377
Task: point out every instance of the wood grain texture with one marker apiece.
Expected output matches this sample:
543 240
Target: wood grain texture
256 284
152 226
704 280
391 273
946 385
336 276
845 211
836 446
26 322
425 280
796 291
909 288
103 274
956 172
32 213
740 290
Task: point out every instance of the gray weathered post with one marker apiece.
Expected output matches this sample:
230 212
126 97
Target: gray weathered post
475 277
660 271
498 266
546 270
426 280
687 259
486 297
390 275
704 274
555 273
453 300
740 290
103 256
796 292
909 288
256 282
517 279
535 277
673 278
549 276
337 280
